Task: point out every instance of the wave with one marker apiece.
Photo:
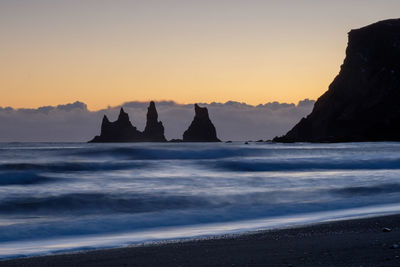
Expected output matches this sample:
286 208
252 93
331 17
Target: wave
302 164
102 203
368 190
22 178
95 202
186 152
71 166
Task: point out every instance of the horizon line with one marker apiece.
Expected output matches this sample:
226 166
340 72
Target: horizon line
83 104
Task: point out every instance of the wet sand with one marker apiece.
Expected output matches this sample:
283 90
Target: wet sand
360 242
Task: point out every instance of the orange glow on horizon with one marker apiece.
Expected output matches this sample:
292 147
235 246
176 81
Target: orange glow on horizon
185 51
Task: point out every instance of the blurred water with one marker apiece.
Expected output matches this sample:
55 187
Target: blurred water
67 196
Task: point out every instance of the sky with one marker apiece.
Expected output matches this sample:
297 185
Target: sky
105 53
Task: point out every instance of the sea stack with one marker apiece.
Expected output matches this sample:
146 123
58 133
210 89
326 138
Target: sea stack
120 130
201 129
363 101
154 131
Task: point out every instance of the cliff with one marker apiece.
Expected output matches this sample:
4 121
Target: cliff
201 129
363 101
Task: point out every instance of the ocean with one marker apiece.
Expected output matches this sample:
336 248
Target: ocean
62 197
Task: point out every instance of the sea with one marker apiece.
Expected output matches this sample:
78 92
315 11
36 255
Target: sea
65 197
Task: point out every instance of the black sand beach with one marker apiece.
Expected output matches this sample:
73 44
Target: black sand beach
360 242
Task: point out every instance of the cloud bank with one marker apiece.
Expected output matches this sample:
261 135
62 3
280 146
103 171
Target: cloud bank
75 123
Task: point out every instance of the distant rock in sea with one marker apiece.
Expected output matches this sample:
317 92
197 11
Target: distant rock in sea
363 101
154 131
175 140
122 129
201 129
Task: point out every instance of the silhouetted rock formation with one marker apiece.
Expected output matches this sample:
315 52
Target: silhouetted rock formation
175 140
363 101
154 131
201 129
120 130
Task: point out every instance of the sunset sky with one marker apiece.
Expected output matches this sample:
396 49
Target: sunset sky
108 52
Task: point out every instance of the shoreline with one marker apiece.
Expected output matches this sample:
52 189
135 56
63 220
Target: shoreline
339 243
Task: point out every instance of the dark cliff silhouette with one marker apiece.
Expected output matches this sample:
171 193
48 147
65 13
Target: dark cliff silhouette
154 131
201 129
122 129
363 101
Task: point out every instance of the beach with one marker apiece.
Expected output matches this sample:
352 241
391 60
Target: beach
357 242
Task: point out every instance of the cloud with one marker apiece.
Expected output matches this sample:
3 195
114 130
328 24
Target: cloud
75 123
